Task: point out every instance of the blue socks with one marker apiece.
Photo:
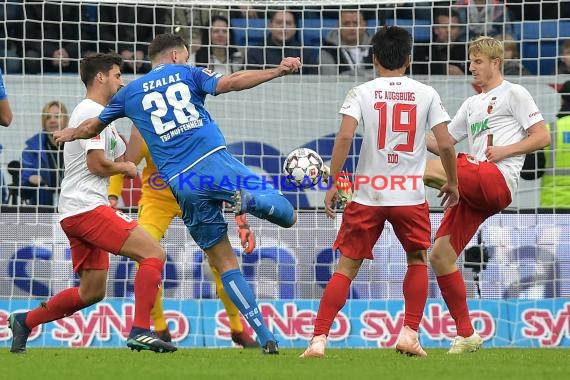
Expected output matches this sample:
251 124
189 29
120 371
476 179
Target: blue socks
242 296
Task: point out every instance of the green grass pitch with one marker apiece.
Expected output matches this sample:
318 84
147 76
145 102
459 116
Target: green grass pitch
234 364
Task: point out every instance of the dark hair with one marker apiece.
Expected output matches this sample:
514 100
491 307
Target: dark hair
203 54
391 46
274 11
93 64
165 41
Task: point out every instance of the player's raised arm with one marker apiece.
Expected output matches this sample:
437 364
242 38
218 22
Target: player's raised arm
538 137
88 129
244 79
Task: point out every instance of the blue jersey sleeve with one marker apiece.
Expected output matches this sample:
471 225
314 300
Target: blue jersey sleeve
2 88
206 79
116 107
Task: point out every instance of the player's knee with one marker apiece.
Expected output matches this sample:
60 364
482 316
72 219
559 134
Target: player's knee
417 257
442 261
293 220
156 252
289 222
93 296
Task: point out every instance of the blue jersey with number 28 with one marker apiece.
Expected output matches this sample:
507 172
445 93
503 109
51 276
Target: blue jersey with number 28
167 107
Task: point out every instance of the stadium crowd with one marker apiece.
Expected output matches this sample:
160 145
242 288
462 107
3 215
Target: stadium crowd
51 37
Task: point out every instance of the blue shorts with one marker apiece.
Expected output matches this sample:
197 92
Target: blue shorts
202 190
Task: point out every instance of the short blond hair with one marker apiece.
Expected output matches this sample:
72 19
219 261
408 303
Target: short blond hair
488 46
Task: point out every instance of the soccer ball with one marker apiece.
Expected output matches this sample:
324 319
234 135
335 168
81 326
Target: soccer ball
303 167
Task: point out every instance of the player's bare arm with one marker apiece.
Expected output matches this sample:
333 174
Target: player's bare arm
446 150
134 147
434 175
89 128
5 113
101 166
244 79
538 138
342 144
5 110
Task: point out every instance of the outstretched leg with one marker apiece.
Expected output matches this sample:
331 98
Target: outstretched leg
91 289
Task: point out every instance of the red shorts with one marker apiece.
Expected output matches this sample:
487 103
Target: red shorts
483 192
93 234
362 226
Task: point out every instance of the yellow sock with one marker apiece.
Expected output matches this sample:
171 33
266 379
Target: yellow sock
231 309
157 313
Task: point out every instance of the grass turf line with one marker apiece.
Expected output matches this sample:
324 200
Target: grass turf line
235 364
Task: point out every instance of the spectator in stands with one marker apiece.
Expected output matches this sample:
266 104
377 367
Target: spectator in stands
282 42
555 188
201 15
512 64
61 61
134 59
347 50
216 52
484 17
564 62
42 158
447 54
51 36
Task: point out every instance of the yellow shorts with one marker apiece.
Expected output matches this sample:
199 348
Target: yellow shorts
155 217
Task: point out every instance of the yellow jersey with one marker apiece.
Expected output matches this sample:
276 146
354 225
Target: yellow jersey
158 193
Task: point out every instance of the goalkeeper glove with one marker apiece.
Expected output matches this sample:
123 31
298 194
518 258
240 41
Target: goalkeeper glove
246 235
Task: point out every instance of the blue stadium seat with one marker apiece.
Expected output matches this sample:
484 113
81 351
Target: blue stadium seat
539 57
248 32
540 42
547 29
420 29
315 30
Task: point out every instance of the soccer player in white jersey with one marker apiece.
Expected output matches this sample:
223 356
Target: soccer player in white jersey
502 124
395 112
92 226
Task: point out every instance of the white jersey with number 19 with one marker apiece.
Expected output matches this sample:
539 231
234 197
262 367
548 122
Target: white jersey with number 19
395 114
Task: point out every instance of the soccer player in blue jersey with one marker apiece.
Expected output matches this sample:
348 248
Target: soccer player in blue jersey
5 110
167 107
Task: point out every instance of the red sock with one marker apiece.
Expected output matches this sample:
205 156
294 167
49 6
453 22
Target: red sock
63 304
147 282
333 299
415 294
453 291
